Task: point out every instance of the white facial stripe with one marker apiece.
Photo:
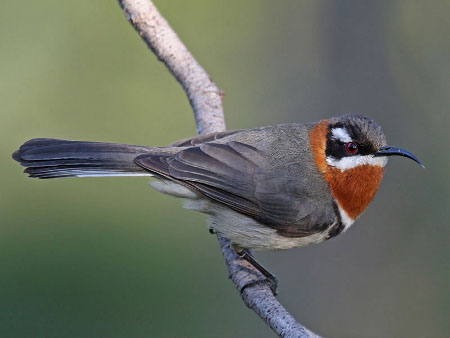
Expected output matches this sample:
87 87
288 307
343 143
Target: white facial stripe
341 134
354 161
346 220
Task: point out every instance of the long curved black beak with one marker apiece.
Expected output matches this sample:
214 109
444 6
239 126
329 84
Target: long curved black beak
391 151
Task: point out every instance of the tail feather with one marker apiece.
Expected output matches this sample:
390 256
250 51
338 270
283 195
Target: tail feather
52 158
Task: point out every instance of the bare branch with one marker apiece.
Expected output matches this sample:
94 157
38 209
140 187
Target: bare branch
206 100
205 97
259 297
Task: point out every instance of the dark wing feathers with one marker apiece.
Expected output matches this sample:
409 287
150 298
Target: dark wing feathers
216 170
227 172
235 202
196 140
217 165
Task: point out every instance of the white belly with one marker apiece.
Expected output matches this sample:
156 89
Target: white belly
245 231
240 229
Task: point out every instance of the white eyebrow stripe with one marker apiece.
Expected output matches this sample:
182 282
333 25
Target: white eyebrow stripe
341 134
354 161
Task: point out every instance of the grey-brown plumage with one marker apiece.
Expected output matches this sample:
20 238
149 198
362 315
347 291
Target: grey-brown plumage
259 173
264 188
239 175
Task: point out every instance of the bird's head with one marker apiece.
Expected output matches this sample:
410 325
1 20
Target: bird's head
351 152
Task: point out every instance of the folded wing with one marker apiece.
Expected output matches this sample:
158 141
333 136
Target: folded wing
239 176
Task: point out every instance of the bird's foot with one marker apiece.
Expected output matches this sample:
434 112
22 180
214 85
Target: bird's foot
270 278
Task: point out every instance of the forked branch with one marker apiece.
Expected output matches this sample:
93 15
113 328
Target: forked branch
206 101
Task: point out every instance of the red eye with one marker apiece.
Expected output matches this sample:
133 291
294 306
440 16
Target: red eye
351 147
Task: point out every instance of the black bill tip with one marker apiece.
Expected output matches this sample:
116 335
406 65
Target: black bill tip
395 151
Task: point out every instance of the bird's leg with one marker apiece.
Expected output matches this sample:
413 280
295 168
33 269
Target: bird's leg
271 278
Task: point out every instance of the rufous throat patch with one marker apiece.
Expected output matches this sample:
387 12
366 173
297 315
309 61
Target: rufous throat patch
353 188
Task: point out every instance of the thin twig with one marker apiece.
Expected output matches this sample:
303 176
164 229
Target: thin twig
205 97
206 101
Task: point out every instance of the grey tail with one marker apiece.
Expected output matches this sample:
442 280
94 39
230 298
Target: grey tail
51 158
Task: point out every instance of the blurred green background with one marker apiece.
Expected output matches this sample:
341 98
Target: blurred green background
113 258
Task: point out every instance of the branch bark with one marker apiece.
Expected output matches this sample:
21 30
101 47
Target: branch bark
203 94
206 101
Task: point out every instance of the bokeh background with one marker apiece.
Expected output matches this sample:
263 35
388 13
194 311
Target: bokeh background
110 257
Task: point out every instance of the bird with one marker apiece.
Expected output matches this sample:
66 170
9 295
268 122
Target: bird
268 188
